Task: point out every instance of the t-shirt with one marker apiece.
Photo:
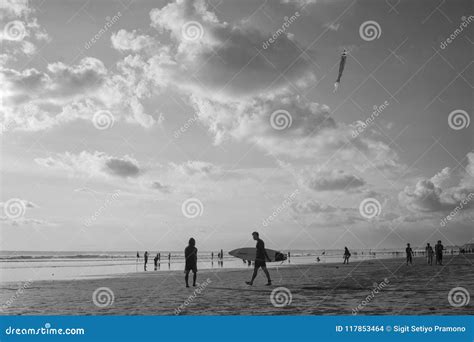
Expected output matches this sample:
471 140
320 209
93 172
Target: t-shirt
190 253
260 250
408 250
439 248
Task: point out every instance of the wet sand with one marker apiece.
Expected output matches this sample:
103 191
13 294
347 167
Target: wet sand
317 289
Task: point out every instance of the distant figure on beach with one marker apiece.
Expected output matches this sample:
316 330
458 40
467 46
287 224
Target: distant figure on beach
159 256
317 259
138 255
439 253
190 254
146 259
347 255
289 255
212 256
429 253
409 252
169 258
249 262
260 260
156 261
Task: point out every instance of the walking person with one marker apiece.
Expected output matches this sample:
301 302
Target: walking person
439 253
146 260
347 255
190 255
429 254
409 253
260 260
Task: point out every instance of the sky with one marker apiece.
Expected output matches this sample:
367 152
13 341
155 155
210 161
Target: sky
135 125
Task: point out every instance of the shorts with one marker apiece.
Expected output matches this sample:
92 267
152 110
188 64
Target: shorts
193 268
260 263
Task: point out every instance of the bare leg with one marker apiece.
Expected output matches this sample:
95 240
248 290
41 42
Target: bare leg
267 274
194 278
254 275
186 277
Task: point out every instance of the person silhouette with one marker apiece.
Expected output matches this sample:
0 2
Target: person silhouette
260 260
190 255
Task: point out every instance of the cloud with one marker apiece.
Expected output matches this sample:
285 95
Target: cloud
196 167
334 180
97 164
438 193
20 30
161 187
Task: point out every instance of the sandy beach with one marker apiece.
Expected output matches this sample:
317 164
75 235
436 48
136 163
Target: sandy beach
315 289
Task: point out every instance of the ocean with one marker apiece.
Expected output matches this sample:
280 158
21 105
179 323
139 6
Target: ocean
49 265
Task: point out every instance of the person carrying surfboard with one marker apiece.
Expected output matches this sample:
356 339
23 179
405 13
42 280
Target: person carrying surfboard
260 260
190 254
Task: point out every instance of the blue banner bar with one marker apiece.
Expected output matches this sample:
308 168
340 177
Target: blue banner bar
237 328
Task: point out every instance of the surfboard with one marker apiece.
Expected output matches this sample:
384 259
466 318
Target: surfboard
249 253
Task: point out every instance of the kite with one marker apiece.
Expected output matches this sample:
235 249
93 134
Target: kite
342 63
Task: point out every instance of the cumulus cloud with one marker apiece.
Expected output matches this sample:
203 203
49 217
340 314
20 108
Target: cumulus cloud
438 193
21 31
334 180
38 100
161 187
92 164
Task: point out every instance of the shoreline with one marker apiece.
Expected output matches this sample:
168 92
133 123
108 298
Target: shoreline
314 289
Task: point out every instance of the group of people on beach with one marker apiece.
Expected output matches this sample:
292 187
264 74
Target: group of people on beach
261 257
438 252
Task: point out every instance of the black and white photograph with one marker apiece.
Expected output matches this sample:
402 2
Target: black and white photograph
236 158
